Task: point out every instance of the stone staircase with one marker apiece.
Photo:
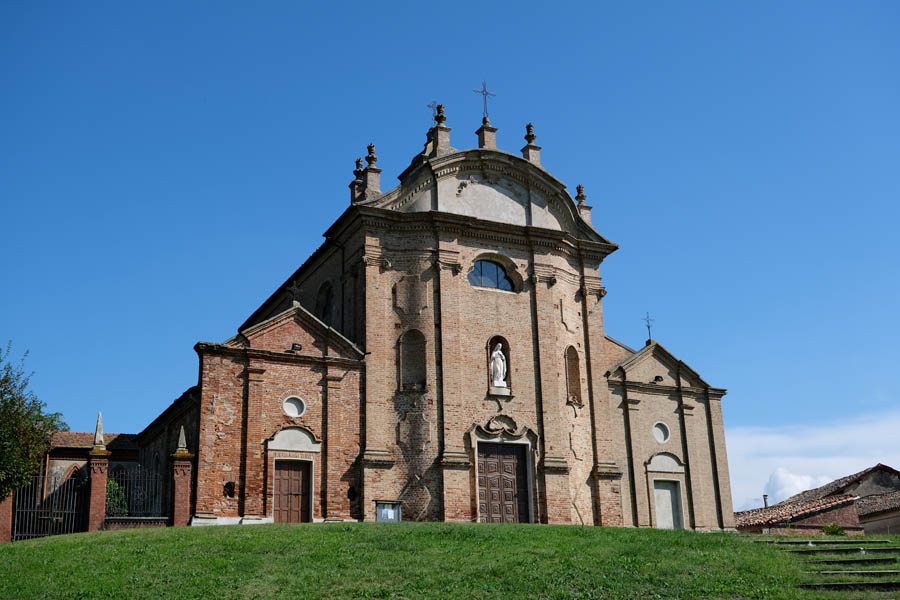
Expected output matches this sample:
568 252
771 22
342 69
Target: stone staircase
848 564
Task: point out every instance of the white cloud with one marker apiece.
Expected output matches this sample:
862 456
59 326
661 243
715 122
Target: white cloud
782 483
781 460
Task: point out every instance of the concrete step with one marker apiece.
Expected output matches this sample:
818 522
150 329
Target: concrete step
852 561
881 586
843 542
863 573
856 550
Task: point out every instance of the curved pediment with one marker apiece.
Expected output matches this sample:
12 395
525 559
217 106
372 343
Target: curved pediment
663 462
490 185
294 438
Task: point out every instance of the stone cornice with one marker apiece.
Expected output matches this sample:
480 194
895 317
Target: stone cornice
202 348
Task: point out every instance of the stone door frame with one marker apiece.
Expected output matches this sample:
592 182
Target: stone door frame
480 436
679 487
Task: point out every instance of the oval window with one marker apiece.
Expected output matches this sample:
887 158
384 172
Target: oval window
293 406
661 433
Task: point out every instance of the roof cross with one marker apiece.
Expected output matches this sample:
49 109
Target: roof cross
433 107
485 94
649 323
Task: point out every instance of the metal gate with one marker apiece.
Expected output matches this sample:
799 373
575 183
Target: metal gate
135 492
50 506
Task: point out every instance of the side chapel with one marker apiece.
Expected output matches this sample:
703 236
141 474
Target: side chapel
442 356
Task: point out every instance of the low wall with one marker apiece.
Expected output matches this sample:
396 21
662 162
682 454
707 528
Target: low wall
112 523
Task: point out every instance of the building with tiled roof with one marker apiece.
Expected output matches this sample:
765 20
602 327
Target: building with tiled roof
801 516
873 494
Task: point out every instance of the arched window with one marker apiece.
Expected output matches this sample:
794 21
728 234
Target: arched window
325 308
573 377
412 361
490 274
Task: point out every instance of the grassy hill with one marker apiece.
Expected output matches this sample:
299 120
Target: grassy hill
406 560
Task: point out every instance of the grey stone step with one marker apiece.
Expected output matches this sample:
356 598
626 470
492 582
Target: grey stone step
843 542
867 573
853 585
852 561
856 550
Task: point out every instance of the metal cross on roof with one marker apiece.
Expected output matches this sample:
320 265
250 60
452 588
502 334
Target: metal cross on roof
485 93
433 107
649 322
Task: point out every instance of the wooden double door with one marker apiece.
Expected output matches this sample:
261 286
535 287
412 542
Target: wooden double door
502 483
293 485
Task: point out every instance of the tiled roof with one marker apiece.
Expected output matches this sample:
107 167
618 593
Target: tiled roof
878 503
788 511
82 439
836 486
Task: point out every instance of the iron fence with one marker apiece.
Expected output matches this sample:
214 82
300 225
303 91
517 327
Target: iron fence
50 506
135 493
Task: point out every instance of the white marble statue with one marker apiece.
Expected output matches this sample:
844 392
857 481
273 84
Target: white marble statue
498 367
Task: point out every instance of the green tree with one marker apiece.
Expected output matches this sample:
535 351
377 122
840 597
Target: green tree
25 429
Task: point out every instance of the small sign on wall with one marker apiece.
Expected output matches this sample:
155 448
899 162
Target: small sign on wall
387 511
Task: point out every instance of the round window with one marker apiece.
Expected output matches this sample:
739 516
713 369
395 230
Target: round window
661 433
294 406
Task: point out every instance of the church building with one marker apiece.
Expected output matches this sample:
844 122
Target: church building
442 357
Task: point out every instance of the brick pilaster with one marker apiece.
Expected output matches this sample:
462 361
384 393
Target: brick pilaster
336 505
181 486
552 396
6 514
98 465
253 484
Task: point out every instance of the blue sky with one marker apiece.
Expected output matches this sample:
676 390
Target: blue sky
164 167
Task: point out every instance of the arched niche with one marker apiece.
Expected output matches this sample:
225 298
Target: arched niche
411 361
573 377
294 439
492 343
325 308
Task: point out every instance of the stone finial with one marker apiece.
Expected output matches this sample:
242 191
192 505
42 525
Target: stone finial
182 450
530 152
583 209
372 175
99 443
182 441
580 197
356 186
439 135
487 135
529 133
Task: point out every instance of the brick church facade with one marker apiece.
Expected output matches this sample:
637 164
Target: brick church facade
443 354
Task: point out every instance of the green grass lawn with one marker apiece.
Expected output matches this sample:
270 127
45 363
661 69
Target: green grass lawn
405 560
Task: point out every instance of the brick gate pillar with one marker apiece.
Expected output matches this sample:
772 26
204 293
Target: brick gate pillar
98 466
6 513
181 482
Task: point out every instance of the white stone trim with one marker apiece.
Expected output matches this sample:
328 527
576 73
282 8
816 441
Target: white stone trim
293 439
500 438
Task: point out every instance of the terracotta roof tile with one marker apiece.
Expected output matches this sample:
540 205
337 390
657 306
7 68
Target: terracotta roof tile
878 503
788 511
83 439
836 486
